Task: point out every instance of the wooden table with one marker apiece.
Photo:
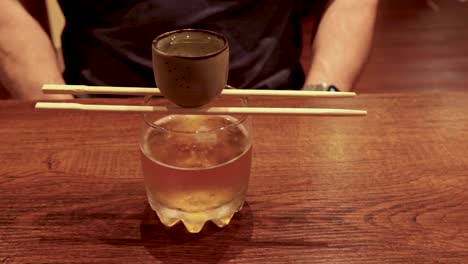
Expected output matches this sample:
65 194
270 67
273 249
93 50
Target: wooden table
391 187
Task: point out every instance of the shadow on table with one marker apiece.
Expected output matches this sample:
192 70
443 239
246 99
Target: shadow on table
176 245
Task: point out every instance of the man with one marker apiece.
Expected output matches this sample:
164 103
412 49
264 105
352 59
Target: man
109 42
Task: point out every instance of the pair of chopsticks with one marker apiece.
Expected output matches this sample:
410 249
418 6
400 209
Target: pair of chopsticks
82 89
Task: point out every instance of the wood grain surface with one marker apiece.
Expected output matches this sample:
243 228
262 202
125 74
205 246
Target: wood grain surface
419 46
387 188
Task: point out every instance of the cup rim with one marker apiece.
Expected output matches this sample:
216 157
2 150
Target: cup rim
238 120
226 44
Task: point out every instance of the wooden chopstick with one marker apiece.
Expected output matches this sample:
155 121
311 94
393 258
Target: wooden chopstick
204 111
83 89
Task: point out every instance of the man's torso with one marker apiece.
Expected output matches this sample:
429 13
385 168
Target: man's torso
109 42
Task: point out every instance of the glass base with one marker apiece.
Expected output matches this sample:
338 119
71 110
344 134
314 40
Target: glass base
194 221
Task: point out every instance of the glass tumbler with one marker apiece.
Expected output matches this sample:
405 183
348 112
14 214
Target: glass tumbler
196 168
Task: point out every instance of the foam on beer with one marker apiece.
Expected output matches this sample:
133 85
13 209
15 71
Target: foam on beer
217 141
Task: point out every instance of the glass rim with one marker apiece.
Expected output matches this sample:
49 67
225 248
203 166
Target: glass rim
238 121
163 35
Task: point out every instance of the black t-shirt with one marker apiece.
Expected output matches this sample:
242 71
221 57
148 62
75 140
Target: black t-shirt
109 42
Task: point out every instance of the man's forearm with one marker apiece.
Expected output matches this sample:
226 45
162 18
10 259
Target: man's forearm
342 44
27 57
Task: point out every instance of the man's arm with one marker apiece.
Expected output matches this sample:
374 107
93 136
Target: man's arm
342 44
27 57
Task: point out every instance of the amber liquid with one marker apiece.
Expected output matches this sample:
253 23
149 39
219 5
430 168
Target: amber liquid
196 177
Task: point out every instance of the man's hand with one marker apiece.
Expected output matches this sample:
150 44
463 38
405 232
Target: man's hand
342 44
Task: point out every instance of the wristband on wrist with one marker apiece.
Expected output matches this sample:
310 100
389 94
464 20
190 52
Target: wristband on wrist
320 87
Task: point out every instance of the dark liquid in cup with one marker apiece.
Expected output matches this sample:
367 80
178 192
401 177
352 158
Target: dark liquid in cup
190 44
